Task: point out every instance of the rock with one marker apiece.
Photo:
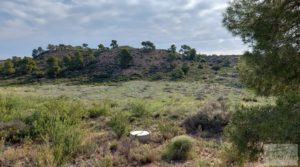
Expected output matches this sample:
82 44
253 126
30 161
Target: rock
142 136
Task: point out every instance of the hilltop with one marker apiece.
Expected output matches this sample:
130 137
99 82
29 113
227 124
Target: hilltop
116 64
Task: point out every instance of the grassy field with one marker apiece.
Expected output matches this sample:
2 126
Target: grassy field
88 125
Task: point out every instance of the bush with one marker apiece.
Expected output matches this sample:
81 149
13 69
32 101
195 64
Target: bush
138 110
119 124
178 74
185 68
54 125
210 120
216 68
125 58
98 110
180 148
142 154
250 127
168 130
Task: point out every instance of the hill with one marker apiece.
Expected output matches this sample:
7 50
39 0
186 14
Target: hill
65 61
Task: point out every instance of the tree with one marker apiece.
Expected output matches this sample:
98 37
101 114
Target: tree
84 45
27 65
102 48
51 47
53 68
148 46
188 52
114 44
67 61
8 68
172 49
36 52
271 28
125 58
77 61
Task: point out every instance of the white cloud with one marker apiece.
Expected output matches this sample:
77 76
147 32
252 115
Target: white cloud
38 22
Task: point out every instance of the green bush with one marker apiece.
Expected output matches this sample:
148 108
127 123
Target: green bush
98 110
55 125
178 74
125 59
119 124
251 126
185 68
138 110
180 148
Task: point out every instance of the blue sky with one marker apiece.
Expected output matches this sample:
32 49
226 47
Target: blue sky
27 24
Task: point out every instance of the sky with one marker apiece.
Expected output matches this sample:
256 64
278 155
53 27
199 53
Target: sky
27 24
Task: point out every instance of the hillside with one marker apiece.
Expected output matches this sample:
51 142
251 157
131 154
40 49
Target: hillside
104 65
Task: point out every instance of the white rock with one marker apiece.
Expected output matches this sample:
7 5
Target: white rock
142 136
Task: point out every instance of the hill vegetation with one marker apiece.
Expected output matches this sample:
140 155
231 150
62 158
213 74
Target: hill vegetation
115 63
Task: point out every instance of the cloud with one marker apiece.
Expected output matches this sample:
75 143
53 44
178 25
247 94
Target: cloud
26 24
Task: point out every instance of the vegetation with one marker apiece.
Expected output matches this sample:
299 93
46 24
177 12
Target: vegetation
148 46
272 33
125 58
179 148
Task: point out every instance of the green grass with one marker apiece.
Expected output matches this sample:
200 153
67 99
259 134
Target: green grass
63 118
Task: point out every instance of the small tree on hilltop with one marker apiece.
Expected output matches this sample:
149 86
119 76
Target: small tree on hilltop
102 48
172 49
148 46
114 44
125 58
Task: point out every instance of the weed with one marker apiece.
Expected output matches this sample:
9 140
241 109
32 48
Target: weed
119 124
179 148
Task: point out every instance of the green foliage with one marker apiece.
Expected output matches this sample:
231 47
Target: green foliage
77 61
251 126
67 61
114 44
148 46
53 124
119 124
172 49
102 48
125 58
27 65
178 74
36 52
98 110
273 32
216 67
185 68
8 68
53 67
179 148
188 52
138 110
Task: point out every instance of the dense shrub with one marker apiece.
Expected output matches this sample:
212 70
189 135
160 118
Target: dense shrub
142 154
54 125
209 121
125 59
179 148
185 68
177 74
98 110
119 124
249 127
138 109
216 67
